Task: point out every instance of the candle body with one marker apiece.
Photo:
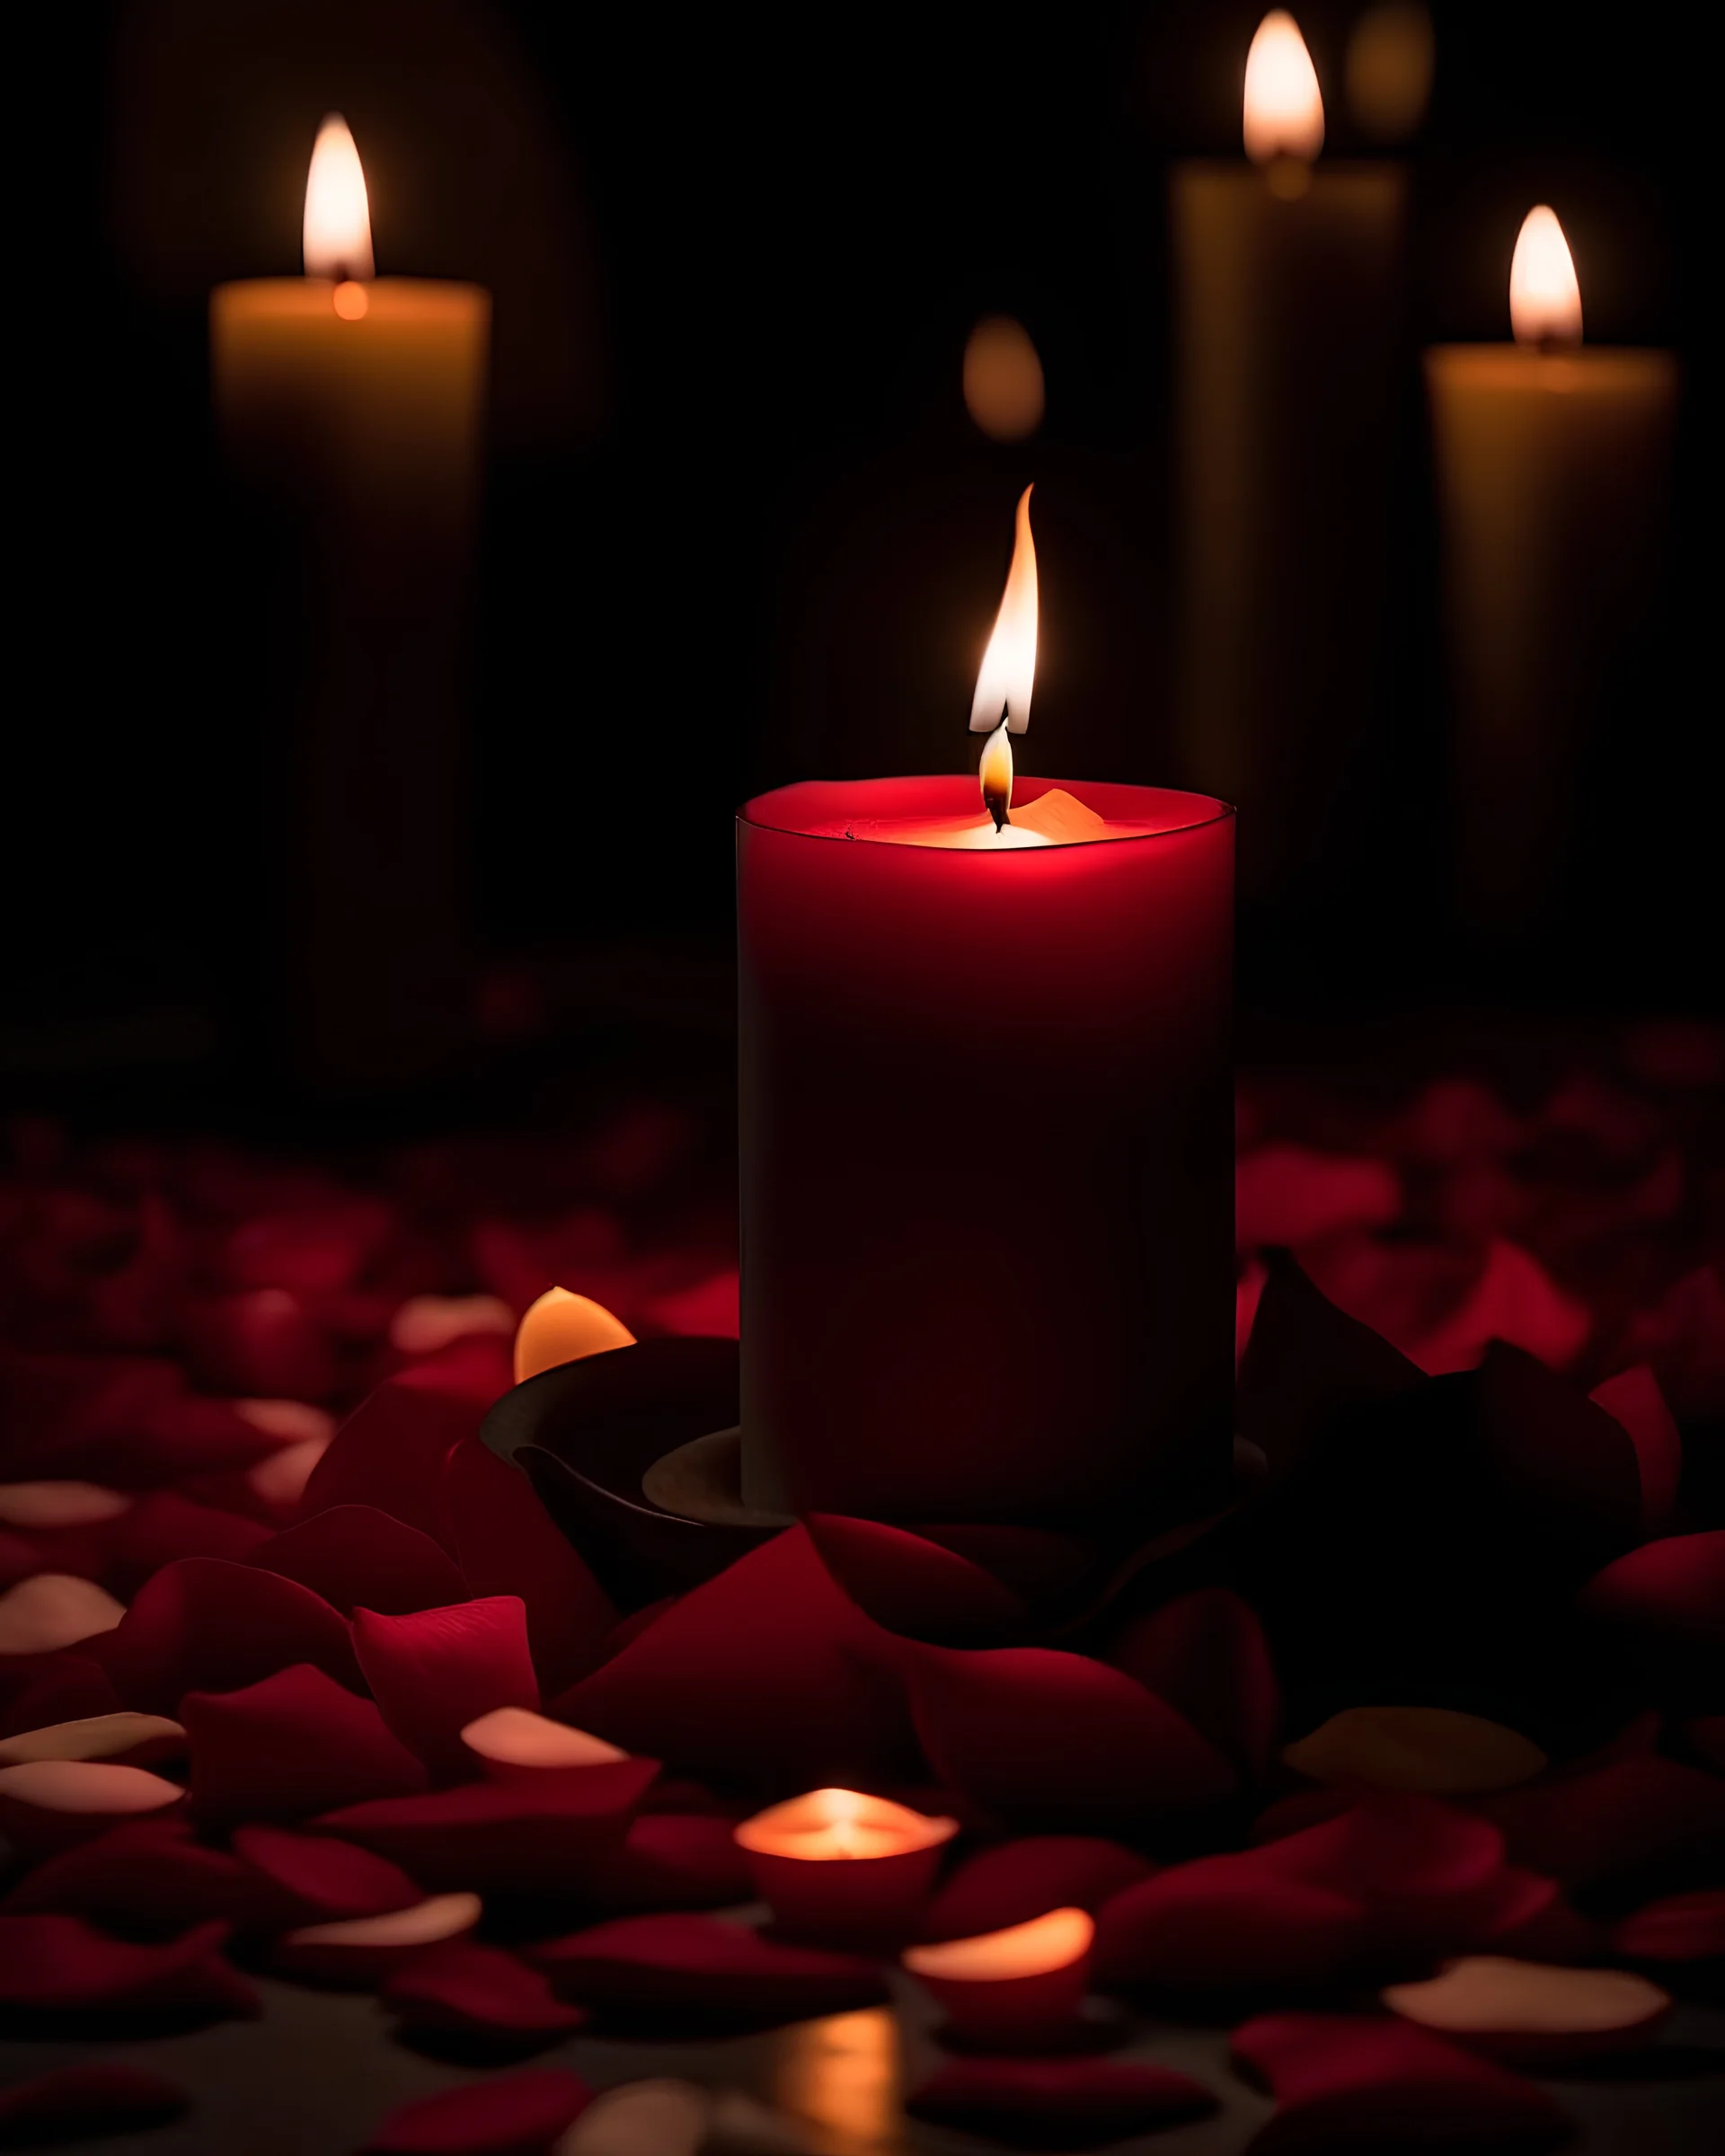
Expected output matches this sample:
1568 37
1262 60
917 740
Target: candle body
358 443
1288 319
1553 477
987 1134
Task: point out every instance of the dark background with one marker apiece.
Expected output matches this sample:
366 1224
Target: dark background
738 527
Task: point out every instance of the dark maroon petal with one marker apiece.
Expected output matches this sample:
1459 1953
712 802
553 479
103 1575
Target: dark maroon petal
1057 2103
1684 1927
1564 1462
1345 2082
1287 1194
476 1371
56 1963
316 1251
42 1689
1046 1572
1036 1736
1633 1398
390 1453
87 2102
354 1556
321 1880
507 1545
260 1344
295 1744
699 1965
434 1671
1226 1923
675 1860
146 1872
1613 1819
915 1586
163 1526
553 1834
519 2116
1021 1880
767 1672
1293 1813
1525 1916
1205 1654
204 1625
1671 1591
466 1988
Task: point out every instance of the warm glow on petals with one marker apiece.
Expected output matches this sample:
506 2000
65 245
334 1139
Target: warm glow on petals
1544 299
1047 1942
1284 108
337 216
1009 664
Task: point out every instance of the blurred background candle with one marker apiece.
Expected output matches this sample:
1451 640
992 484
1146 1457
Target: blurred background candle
840 1867
1287 319
1014 1990
1553 469
351 408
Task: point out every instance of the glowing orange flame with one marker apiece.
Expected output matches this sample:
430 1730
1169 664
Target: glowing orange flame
829 1824
337 216
1009 664
996 773
1544 299
1284 108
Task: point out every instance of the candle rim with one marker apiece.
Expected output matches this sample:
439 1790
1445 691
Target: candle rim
764 1832
749 815
956 1958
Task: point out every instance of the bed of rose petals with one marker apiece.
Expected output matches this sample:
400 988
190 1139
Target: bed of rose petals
1446 1685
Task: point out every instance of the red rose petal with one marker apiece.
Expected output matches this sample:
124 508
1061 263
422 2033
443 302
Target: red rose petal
1570 1468
476 1371
767 1671
314 1252
354 1555
85 2102
1224 1924
915 1586
1611 1819
1347 2082
1514 1303
1043 1570
1672 1591
390 1453
164 1526
1205 1654
358 1953
261 1341
1633 1398
699 1965
711 1308
507 1545
56 1963
319 1877
1288 1194
295 1744
1035 1736
675 1860
1057 2103
519 2116
1683 1927
203 1625
39 1690
550 1835
1021 1880
434 1671
148 1872
469 1988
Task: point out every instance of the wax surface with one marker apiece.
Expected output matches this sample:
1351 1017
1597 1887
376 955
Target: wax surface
987 1158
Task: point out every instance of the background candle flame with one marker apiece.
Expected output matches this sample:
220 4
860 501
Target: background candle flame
1009 664
337 216
1284 107
1545 298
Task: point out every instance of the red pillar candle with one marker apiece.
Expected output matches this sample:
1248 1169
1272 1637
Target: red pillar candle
987 1139
839 1868
1011 1990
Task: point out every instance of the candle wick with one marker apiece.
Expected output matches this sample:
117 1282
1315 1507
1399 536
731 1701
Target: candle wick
999 801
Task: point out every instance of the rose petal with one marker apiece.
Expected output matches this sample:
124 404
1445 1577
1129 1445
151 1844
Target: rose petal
915 1586
52 1611
262 1341
294 1744
39 1690
476 1371
673 1861
287 1421
548 1836
1613 1819
647 2118
1633 1397
1290 1195
281 1480
60 1963
1671 1591
87 2102
164 1526
508 1545
1562 1462
425 1323
766 1671
135 1740
312 1252
1514 1301
434 1671
1018 1880
354 1554
1043 1570
47 1803
1206 1654
512 1743
358 1953
390 1453
1347 2082
146 1872
1038 1736
1683 1927
711 1307
1529 2014
468 1989
204 1625
45 1505
699 1965
1224 1923
1057 2103
1427 1748
320 1877
519 2116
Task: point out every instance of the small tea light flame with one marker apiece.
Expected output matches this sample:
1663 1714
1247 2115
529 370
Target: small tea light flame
1545 298
840 1823
1284 107
337 240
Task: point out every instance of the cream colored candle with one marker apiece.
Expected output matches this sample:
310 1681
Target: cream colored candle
1553 472
352 407
1287 282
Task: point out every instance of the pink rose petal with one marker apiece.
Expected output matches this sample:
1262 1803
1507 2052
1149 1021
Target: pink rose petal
60 1964
1019 1880
53 1610
353 1555
915 1586
294 1744
360 1953
1633 1397
319 1877
390 1453
1036 1736
552 1835
148 1873
204 1625
1683 1927
1228 1924
1614 1819
1057 2103
1206 1654
469 1988
87 2102
519 2116
699 1965
434 1671
513 1744
132 1740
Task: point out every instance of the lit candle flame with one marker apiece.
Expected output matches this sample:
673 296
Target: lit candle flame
995 772
1009 664
1544 299
1284 107
337 216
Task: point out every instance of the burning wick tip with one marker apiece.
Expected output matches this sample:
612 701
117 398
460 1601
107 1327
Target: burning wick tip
998 773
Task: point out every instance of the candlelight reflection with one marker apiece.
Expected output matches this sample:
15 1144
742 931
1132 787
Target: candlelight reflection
1545 298
1284 108
1002 379
337 239
842 2074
